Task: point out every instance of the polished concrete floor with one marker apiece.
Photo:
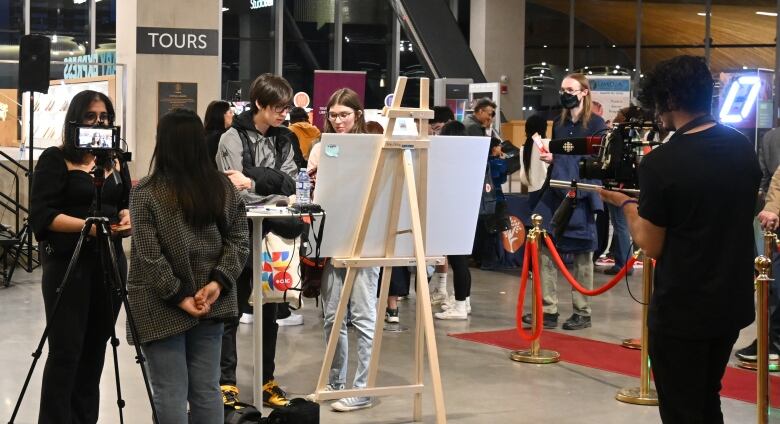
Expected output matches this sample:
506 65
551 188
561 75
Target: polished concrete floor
481 384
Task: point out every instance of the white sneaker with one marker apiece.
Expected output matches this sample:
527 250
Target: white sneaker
246 319
293 319
451 301
352 404
456 311
438 297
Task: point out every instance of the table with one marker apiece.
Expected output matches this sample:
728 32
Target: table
258 214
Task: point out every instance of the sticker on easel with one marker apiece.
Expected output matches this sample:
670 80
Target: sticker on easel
332 150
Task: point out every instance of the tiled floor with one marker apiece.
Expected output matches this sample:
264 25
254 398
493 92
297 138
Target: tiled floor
481 384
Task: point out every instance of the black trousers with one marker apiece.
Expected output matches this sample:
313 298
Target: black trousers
461 276
689 390
229 357
70 390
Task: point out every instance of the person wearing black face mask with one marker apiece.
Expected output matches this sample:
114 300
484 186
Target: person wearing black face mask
579 240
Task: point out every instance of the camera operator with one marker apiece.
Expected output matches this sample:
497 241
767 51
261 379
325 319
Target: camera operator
62 197
579 240
695 216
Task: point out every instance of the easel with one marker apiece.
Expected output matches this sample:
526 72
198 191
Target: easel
396 153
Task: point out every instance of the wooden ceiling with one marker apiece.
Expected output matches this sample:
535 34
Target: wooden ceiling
678 23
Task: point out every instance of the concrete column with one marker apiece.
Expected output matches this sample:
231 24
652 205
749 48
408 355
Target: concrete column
144 71
497 39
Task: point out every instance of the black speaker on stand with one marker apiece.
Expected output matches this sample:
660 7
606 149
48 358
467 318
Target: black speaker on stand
34 64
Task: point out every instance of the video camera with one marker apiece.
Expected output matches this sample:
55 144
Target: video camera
613 156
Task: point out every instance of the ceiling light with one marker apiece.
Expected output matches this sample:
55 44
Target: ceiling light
545 46
225 9
614 71
544 63
617 66
766 13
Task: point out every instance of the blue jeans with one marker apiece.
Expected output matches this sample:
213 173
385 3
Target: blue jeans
183 368
362 307
621 237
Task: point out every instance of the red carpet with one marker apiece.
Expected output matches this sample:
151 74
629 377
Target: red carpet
737 383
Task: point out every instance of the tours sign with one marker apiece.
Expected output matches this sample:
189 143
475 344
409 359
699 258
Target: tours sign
178 41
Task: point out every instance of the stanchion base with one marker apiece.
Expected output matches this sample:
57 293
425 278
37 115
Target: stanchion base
633 396
773 366
544 357
632 344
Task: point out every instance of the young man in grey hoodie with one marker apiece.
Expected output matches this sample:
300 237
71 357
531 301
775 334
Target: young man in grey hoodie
257 155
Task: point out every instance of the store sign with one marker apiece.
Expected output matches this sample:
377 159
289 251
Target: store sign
259 4
90 65
179 41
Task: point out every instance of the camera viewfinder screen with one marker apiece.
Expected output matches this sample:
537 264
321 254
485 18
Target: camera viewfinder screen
95 138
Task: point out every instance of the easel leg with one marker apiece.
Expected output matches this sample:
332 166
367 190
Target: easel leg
423 296
338 321
376 349
419 337
392 228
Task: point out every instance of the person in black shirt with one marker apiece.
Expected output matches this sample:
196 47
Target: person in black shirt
697 221
62 197
218 118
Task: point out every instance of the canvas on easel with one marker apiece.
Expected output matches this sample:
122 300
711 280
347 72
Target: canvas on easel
390 178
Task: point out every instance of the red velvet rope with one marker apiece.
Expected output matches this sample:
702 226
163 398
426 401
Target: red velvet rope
557 258
532 253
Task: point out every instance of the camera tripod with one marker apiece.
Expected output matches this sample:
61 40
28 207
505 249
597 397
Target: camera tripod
113 284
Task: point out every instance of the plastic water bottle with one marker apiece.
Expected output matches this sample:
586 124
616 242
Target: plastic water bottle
22 150
303 188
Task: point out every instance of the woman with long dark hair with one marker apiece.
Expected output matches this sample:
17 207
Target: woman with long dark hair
63 195
190 243
218 118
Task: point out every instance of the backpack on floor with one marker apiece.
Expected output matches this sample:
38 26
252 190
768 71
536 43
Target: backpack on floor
298 411
242 413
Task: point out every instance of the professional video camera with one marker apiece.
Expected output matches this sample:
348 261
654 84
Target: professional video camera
613 156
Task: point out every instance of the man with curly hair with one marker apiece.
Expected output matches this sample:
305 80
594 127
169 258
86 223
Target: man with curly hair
697 221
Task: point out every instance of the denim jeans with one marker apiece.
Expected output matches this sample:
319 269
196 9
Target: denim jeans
620 236
183 368
363 312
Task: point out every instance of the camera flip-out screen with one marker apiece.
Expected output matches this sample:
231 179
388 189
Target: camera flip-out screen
96 138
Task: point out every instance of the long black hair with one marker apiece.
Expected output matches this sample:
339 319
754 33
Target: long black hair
534 124
75 115
181 163
215 116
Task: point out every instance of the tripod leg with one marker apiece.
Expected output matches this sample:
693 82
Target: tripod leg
139 356
111 285
49 319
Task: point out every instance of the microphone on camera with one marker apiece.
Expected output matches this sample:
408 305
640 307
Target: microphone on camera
576 145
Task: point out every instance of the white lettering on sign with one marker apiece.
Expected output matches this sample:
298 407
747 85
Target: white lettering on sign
179 41
154 35
259 4
164 43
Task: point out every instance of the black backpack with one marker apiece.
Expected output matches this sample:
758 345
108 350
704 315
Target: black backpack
298 411
243 413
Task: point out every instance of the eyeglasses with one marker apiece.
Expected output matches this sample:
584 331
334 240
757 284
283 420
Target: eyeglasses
568 91
342 115
92 118
282 109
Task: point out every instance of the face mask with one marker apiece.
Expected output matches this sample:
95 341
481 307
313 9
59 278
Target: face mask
569 101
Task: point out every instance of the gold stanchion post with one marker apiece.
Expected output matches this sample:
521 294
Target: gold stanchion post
763 266
535 355
643 395
770 247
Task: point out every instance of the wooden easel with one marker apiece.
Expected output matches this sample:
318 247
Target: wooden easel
397 153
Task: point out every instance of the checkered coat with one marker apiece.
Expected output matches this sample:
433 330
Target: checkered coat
171 260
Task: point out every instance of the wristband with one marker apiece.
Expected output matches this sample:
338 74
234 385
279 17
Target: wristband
629 201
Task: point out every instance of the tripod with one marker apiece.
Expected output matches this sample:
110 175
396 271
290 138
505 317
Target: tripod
113 283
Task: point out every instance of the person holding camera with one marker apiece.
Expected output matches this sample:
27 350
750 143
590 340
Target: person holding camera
697 222
63 195
190 243
578 240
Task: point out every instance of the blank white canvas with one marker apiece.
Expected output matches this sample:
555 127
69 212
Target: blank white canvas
456 173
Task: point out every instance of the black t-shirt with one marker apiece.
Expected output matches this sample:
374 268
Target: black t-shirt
702 188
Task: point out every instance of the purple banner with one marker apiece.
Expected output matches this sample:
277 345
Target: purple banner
327 82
